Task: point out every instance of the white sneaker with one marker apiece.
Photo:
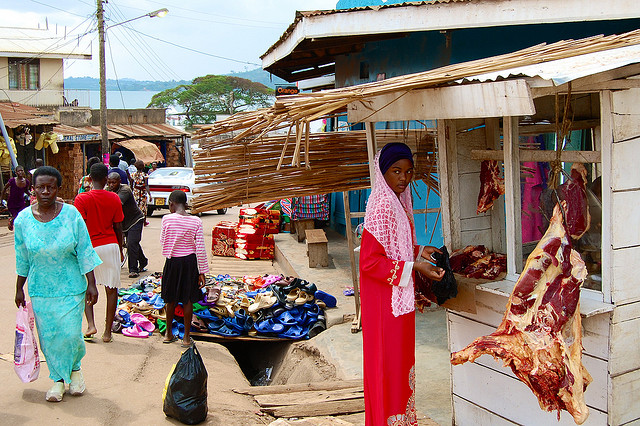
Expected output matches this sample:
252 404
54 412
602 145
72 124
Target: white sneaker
56 392
76 387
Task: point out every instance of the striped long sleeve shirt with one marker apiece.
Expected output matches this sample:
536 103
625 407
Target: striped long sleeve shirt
183 235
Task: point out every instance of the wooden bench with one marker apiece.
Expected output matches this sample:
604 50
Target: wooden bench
317 248
300 226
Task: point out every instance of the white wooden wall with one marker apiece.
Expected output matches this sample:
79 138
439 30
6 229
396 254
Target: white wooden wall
485 392
621 144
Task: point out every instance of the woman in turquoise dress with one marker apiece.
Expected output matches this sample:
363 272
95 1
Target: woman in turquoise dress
55 256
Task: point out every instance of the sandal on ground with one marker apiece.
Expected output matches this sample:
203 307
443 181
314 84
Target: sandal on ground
134 275
76 386
173 339
187 345
56 392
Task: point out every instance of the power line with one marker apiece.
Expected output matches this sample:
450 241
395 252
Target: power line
57 8
196 51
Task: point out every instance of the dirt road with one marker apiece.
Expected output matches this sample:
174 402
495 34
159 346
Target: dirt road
124 378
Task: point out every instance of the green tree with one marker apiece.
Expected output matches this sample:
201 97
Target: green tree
206 97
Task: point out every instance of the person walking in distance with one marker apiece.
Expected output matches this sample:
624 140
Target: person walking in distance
102 212
182 241
131 225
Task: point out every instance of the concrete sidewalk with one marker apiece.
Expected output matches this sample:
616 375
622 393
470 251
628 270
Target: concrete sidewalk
433 389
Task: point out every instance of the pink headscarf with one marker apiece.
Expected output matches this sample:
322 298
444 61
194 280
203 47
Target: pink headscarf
389 219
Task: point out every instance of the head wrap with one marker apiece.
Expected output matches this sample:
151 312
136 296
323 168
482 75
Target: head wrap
393 152
389 218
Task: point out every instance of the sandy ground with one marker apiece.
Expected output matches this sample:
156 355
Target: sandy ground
124 378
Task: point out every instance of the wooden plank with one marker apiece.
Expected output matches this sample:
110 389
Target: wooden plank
372 149
315 236
510 398
464 331
465 300
448 175
478 223
605 139
309 397
625 156
475 237
527 155
299 387
352 255
468 195
331 408
624 407
625 219
623 347
498 237
625 102
536 129
625 280
468 142
492 99
628 312
216 338
512 196
537 92
626 127
467 413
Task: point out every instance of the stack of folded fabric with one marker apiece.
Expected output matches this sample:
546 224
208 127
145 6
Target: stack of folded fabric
262 218
224 238
253 242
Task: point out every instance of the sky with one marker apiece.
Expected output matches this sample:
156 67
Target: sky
224 36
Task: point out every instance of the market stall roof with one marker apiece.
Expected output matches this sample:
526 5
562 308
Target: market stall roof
15 114
41 43
309 46
75 134
366 101
119 131
143 150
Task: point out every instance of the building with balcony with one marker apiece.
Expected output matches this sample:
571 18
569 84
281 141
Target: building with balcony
32 64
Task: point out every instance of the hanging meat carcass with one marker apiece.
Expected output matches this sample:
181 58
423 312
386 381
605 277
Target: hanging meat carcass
491 185
540 334
574 192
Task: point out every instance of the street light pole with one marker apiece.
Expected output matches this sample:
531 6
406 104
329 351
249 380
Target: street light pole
106 147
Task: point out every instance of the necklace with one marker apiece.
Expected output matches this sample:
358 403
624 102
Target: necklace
44 217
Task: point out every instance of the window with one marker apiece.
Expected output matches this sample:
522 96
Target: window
24 73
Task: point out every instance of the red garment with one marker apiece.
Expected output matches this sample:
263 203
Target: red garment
388 341
100 209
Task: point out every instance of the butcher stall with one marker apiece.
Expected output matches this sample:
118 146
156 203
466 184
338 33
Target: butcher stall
562 128
540 207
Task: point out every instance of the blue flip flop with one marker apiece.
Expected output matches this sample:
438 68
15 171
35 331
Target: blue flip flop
214 324
328 299
269 327
133 298
287 319
206 314
294 332
225 331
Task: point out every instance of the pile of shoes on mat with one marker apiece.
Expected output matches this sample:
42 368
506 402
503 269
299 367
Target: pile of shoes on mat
270 306
140 307
257 306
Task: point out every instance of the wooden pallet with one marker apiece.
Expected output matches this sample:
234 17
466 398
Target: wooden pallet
217 338
309 399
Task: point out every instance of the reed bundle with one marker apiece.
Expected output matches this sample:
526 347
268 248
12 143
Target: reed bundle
240 172
294 112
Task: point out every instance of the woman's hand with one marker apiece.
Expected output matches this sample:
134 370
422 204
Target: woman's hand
201 281
20 298
92 291
430 271
427 251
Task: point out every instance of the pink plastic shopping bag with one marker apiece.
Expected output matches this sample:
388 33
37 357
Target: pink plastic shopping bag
25 353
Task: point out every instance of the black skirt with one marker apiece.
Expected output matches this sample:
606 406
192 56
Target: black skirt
180 280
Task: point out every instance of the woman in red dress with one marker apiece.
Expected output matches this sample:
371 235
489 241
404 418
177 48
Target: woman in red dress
387 255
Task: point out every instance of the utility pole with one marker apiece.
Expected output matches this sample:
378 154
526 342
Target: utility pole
106 149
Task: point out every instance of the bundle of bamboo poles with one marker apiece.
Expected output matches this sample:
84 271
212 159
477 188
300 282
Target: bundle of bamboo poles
248 171
295 112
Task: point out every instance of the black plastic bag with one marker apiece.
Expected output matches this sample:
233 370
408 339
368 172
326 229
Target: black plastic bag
186 389
447 287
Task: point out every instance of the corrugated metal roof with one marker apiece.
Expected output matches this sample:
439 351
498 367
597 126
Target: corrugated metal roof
568 69
42 43
121 131
15 114
301 14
